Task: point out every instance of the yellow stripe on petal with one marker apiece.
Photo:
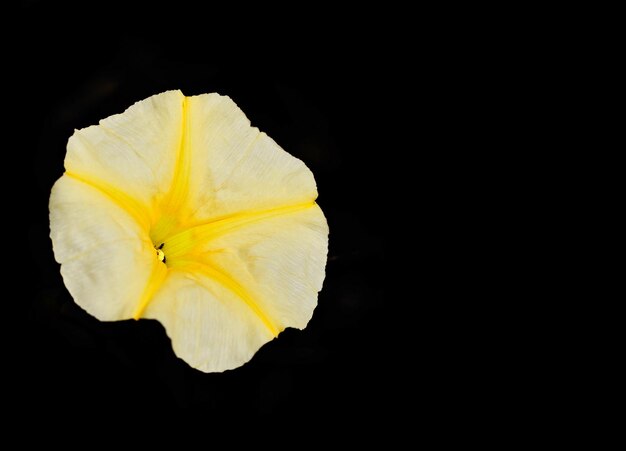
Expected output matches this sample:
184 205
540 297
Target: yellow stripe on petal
120 198
185 242
228 282
157 276
210 327
133 153
171 213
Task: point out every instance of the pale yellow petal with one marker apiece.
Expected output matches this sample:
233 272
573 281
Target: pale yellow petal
250 279
281 259
211 328
132 155
234 167
107 260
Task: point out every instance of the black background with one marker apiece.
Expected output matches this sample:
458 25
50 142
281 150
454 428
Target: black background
327 99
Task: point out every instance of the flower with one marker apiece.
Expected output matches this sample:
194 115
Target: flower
178 210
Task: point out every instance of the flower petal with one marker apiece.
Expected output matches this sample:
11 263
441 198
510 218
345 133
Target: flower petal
132 153
239 290
236 168
210 328
281 259
107 260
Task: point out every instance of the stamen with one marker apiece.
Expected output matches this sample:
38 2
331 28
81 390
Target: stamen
160 253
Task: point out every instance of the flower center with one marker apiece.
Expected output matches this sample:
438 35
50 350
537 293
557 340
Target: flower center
160 253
